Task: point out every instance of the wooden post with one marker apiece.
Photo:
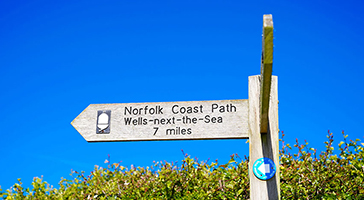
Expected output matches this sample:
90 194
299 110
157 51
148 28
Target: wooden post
263 120
263 145
266 71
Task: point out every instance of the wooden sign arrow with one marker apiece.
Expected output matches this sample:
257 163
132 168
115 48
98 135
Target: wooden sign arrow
191 120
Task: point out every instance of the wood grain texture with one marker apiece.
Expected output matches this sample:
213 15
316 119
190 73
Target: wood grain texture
266 70
189 120
263 145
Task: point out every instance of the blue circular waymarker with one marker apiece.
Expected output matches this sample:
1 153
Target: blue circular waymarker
264 168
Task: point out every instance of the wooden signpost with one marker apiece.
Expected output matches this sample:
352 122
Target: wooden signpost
165 121
255 119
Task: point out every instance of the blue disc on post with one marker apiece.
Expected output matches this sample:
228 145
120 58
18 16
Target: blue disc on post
264 168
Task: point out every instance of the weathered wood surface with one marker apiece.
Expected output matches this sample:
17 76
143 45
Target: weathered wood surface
263 145
191 120
266 70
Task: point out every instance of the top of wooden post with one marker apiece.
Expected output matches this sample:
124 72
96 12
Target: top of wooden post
266 71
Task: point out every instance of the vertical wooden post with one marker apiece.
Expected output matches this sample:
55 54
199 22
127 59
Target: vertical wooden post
263 120
263 145
266 69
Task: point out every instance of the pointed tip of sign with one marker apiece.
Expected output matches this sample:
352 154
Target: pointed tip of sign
77 122
73 121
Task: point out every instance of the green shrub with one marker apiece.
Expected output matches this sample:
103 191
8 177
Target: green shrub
304 175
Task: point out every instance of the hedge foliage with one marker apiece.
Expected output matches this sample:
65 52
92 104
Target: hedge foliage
304 175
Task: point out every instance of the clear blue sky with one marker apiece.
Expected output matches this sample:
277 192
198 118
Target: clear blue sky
57 57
